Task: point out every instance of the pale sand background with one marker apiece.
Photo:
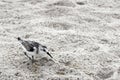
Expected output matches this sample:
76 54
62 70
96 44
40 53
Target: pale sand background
83 35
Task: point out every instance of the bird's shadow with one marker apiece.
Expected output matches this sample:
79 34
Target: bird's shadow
35 67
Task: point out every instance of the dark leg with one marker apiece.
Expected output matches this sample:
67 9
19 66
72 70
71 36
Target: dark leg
33 60
27 55
32 57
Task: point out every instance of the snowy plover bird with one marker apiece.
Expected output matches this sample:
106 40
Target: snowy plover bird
33 48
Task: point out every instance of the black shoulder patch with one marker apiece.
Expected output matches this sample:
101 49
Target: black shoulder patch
31 49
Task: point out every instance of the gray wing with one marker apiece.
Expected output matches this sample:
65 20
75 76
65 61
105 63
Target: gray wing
35 44
28 46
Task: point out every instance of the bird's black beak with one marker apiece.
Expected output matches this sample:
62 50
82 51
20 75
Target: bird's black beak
18 38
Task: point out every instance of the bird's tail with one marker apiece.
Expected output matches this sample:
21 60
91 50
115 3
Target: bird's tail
53 58
49 54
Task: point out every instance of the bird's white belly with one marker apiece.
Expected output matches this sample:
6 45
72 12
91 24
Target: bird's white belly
38 56
31 53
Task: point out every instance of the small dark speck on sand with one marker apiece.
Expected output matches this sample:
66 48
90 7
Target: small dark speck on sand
28 63
24 62
17 74
80 3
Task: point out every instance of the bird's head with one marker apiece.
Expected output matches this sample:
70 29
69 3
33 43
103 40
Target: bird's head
18 38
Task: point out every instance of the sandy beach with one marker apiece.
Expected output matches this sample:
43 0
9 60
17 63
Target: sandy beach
82 35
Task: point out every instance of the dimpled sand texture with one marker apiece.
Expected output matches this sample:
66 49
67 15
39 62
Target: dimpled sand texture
83 36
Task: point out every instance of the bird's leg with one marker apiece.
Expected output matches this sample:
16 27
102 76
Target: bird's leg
33 60
27 55
32 57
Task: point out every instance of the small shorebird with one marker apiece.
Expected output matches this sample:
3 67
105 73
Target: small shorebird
33 48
